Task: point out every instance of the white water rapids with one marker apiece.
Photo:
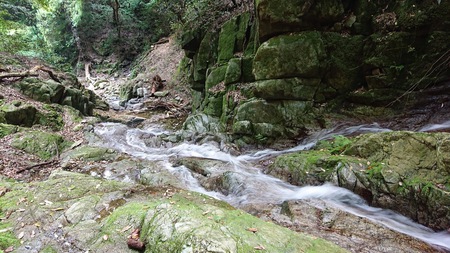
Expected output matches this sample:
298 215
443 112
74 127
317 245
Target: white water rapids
250 185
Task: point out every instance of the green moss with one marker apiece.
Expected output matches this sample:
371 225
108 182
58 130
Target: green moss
19 114
205 58
295 55
48 249
335 146
7 239
52 117
227 41
6 129
216 75
42 144
233 73
345 63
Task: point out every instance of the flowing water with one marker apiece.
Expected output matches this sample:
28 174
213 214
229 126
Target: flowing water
250 185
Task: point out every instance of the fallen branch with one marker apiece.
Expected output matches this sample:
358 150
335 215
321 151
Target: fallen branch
52 162
18 74
50 73
31 72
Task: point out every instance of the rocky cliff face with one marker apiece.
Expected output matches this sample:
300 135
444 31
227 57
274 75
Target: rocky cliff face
280 69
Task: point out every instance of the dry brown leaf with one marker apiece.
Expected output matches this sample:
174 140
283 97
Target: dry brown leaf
254 230
9 249
135 234
21 235
259 247
125 229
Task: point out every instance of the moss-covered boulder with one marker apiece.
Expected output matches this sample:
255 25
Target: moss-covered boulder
215 76
345 70
205 58
6 129
404 171
44 91
18 113
287 89
100 215
234 71
277 17
43 144
227 40
295 55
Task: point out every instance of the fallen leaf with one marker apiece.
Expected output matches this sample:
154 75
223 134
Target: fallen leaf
125 229
135 234
259 247
58 209
21 235
9 249
254 230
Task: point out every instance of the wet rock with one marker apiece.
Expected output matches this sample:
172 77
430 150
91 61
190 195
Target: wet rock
323 219
402 171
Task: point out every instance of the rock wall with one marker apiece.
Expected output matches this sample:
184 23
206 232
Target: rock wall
281 69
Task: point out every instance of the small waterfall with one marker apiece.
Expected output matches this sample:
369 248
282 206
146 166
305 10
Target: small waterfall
247 183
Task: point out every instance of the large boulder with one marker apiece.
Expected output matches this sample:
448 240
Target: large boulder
277 17
19 114
42 144
76 212
404 171
295 55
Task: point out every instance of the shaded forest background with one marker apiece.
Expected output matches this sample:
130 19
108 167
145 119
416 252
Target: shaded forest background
68 33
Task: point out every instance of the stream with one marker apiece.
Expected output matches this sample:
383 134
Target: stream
249 184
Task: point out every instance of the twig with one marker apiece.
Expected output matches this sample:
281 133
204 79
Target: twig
37 165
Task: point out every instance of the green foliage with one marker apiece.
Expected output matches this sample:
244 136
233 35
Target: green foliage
336 146
374 170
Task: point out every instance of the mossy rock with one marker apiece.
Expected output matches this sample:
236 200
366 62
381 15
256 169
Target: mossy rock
234 71
227 40
215 76
289 88
205 58
6 129
247 69
52 117
45 145
345 65
295 55
186 220
47 92
213 105
384 168
258 111
300 116
277 17
19 114
388 57
89 153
